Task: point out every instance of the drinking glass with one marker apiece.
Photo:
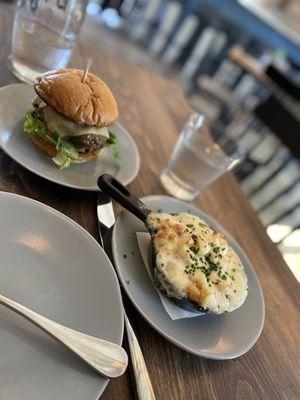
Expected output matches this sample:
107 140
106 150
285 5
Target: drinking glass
44 35
202 154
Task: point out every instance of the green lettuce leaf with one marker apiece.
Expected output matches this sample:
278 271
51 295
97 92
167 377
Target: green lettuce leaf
62 160
66 151
113 142
37 127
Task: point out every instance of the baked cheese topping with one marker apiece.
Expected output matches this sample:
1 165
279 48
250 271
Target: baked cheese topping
56 122
197 263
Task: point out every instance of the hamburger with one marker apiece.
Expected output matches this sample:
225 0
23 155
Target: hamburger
70 116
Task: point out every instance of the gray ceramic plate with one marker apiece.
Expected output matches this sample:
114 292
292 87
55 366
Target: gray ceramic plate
15 100
52 265
210 336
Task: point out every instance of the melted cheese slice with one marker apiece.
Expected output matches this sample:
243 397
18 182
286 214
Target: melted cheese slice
64 127
197 263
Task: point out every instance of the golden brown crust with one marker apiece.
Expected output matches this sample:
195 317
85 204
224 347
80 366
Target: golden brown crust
90 103
196 263
51 151
46 147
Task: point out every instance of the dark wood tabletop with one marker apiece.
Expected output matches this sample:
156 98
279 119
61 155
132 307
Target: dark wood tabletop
154 110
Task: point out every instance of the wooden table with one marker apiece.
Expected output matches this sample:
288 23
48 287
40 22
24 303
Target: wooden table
154 109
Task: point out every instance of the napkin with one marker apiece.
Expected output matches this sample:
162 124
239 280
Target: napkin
174 312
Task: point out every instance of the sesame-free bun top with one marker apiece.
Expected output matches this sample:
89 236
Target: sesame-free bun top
89 103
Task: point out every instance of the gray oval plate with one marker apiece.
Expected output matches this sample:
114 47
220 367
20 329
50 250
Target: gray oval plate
15 100
210 336
53 266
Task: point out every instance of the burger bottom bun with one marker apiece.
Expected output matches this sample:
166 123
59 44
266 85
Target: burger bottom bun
51 151
46 147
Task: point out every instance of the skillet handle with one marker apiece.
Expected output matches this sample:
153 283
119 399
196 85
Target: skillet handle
110 185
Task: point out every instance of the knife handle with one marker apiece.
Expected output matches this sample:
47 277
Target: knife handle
112 187
142 379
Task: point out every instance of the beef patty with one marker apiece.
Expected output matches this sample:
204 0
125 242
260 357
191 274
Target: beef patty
88 143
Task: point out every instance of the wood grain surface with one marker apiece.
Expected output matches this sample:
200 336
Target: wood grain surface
154 110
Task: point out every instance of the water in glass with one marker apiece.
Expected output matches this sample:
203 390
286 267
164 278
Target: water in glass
44 35
197 160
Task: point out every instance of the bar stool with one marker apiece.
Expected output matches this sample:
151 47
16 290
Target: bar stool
181 39
169 20
145 20
276 197
127 8
199 52
284 201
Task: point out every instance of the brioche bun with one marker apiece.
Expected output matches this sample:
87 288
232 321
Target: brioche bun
89 103
51 151
46 147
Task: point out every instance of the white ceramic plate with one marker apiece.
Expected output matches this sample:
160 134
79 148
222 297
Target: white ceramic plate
15 100
210 336
53 266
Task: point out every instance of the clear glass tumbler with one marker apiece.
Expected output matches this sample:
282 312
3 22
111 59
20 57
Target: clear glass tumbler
201 155
44 35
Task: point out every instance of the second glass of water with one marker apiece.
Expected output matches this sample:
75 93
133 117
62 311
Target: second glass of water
44 35
201 155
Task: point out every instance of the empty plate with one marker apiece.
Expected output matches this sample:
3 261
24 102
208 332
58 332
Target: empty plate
210 336
15 100
53 266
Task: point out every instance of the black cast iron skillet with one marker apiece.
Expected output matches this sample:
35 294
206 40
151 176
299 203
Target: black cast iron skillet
122 196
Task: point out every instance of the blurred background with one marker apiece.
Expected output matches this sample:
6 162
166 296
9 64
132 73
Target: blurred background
238 63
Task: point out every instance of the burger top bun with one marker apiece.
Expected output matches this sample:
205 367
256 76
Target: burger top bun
89 103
